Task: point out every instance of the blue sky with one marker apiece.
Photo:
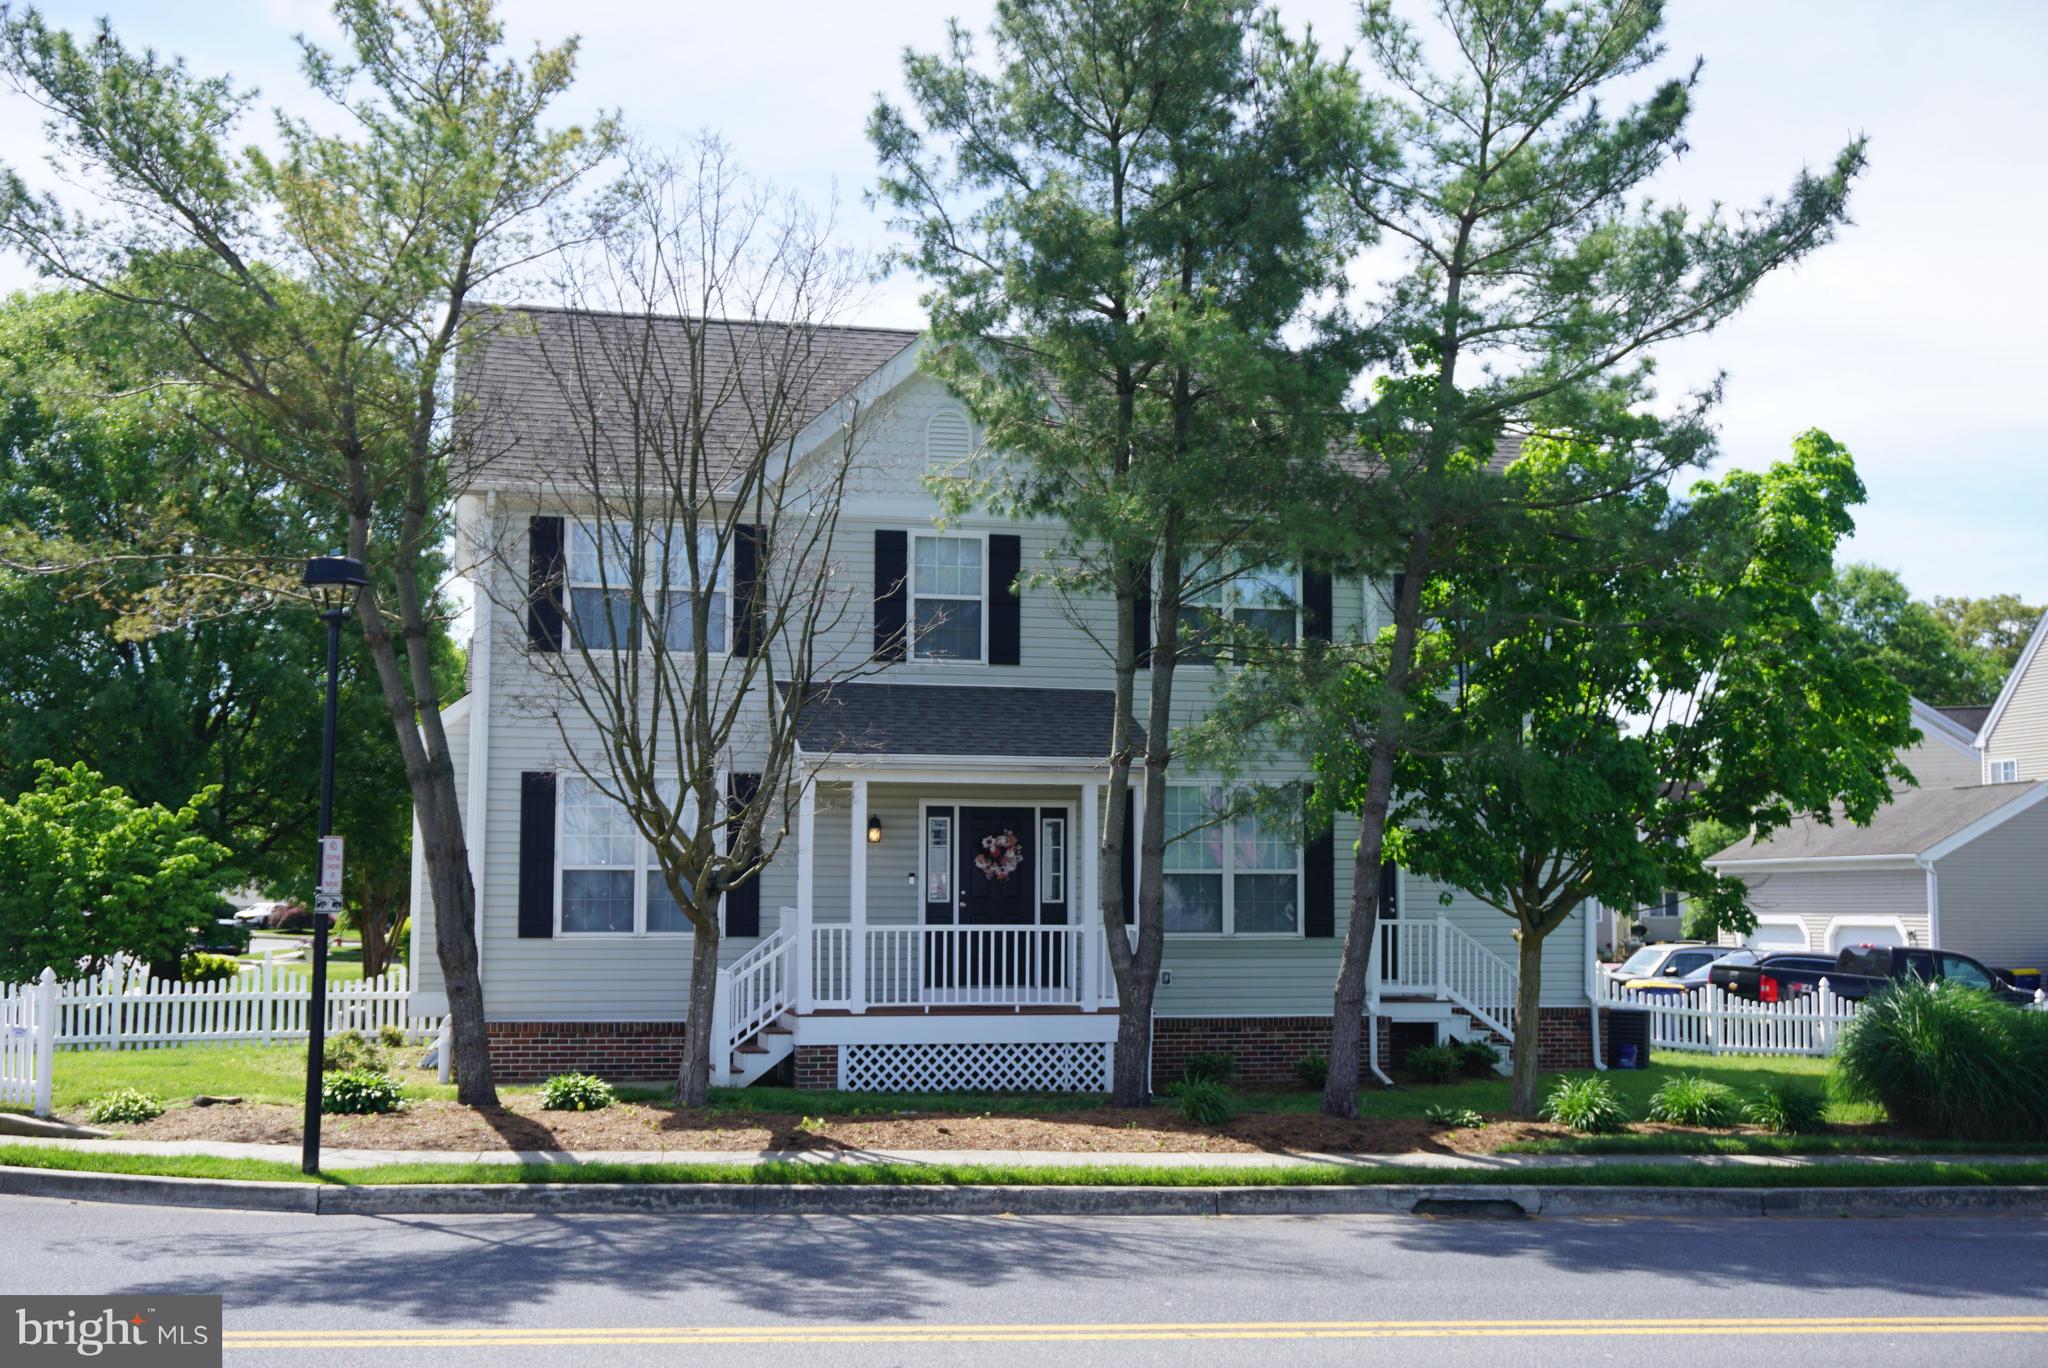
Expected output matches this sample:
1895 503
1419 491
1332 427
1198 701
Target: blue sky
1916 339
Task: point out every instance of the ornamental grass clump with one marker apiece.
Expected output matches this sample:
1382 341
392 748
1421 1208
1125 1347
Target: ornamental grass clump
576 1092
1689 1100
1949 1060
1203 1101
1785 1108
1587 1105
124 1107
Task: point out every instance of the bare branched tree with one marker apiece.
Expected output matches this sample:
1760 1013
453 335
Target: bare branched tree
698 448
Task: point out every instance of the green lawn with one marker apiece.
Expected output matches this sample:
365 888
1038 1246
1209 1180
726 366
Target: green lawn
256 1073
343 966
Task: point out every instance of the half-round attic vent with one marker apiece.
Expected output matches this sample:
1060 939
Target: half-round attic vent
947 437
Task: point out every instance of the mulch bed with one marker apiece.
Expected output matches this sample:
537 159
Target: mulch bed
522 1125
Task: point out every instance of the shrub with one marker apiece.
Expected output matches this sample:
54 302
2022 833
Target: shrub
1586 1104
1948 1060
1689 1100
576 1092
1434 1063
359 1092
1462 1117
352 1050
1203 1101
1477 1057
289 917
1210 1066
124 1107
1313 1070
1785 1108
391 1037
200 967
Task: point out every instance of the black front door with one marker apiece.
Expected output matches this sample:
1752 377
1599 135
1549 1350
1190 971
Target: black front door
998 876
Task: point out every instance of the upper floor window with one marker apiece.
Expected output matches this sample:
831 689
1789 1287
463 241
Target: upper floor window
1262 600
606 614
2005 772
1232 877
610 881
948 596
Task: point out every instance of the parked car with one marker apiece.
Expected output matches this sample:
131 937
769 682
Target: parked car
256 914
1859 971
1673 959
1700 977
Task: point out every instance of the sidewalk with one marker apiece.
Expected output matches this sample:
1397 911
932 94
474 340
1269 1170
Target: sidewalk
1507 1165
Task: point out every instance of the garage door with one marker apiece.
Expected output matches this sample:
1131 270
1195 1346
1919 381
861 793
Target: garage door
1778 936
1841 933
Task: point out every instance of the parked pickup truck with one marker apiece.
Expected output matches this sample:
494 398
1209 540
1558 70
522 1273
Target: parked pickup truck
1858 971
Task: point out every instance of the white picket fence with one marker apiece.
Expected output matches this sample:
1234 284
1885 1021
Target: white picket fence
1711 1020
123 1008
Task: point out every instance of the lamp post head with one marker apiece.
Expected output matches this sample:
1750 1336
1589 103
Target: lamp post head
333 580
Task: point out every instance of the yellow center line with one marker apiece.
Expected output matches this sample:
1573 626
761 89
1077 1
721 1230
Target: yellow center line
1052 1333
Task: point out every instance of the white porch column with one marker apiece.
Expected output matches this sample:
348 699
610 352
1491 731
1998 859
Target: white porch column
857 894
806 851
1088 867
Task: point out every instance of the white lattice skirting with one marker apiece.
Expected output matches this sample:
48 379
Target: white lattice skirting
1066 1066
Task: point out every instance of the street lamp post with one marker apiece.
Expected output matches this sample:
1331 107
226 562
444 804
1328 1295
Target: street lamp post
333 581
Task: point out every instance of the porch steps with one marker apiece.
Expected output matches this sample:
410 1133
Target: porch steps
1461 1025
754 1057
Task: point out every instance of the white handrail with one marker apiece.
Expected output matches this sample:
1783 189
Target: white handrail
1435 957
758 987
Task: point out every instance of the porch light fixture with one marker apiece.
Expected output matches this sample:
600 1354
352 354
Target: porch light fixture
874 830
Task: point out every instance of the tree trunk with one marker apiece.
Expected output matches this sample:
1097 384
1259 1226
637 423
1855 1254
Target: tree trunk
1347 1010
446 855
693 1085
1528 1020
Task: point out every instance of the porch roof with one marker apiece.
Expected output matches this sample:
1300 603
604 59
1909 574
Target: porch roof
852 721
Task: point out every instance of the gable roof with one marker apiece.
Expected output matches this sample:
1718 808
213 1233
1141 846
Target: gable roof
1942 724
1917 824
1970 719
526 427
2012 681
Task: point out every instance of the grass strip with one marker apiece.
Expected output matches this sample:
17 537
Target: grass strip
1932 1173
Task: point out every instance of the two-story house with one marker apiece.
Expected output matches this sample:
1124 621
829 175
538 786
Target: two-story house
877 952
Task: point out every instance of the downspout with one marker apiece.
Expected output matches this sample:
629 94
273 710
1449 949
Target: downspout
1933 901
474 830
1372 991
1589 913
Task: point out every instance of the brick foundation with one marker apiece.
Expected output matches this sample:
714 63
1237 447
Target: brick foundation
817 1066
1564 1039
529 1051
1266 1047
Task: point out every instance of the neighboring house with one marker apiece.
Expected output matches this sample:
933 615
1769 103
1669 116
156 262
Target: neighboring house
1946 754
1957 868
2013 739
901 965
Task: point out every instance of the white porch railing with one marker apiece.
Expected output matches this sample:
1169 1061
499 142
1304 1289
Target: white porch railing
855 968
1435 957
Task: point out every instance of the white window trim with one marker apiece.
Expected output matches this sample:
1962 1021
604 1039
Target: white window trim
1228 610
1229 876
641 880
570 584
912 595
1996 771
949 808
1046 818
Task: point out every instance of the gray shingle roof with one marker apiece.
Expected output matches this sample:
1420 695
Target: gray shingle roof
526 419
1971 719
986 721
1914 822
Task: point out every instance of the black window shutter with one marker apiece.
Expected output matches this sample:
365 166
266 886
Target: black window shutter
537 854
1316 614
545 569
1141 622
1394 603
742 904
1128 871
749 610
892 593
1390 893
1005 603
1319 885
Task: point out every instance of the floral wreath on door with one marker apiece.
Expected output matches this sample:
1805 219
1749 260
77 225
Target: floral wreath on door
1000 855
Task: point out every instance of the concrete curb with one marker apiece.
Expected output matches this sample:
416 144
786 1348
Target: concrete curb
823 1199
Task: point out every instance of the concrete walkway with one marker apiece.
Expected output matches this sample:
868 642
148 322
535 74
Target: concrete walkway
1505 1164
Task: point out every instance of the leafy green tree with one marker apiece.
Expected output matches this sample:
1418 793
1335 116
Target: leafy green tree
1995 627
319 294
1868 608
225 693
1117 219
1532 297
87 873
1650 667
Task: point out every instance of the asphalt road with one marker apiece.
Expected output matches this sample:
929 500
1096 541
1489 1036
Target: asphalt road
811 1291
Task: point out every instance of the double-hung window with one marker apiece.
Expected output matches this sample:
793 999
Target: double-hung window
611 883
2005 772
606 612
1234 877
948 595
1260 600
